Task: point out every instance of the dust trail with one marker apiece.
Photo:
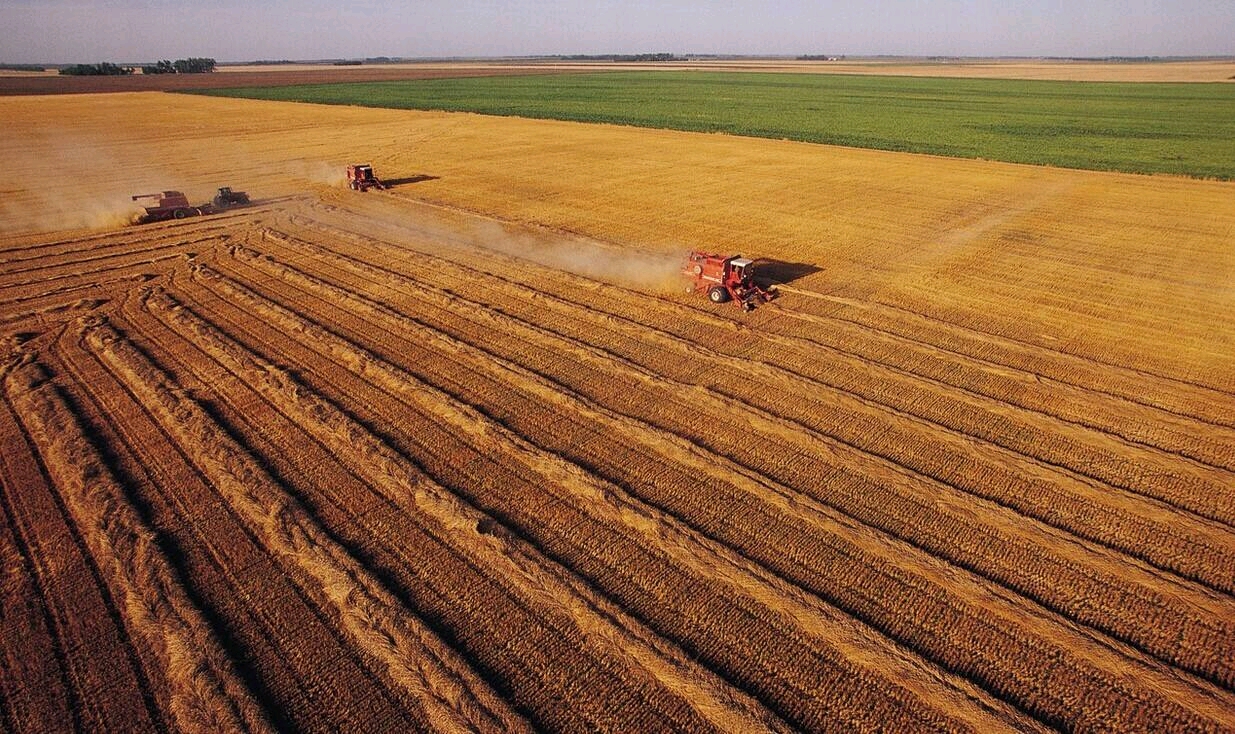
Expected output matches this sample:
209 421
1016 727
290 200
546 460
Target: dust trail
642 269
60 181
317 172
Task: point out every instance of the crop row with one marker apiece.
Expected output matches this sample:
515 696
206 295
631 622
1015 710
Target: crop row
562 603
66 655
853 353
951 645
588 500
1210 564
205 692
896 386
451 697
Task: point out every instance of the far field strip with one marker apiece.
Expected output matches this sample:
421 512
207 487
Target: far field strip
1177 128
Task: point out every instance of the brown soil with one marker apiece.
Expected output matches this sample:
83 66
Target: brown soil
247 77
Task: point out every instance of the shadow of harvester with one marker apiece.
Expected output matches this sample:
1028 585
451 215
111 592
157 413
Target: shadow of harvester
777 272
393 182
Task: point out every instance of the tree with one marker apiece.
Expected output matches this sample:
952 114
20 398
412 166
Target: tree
162 67
102 69
194 66
181 66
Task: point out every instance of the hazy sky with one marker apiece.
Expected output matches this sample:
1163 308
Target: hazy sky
76 31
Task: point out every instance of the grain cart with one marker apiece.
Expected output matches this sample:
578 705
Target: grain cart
360 178
724 279
165 205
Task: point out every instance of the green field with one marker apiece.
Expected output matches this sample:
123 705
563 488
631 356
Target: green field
1186 129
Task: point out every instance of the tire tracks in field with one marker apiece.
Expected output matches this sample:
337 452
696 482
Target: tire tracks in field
889 619
259 604
538 583
1186 397
886 371
206 694
450 695
1042 363
1025 572
607 505
996 408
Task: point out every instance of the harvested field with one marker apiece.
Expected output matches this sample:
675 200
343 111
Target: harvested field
459 456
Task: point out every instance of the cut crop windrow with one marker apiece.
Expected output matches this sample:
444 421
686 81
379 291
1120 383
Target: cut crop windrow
452 697
1031 569
333 294
605 505
520 567
206 695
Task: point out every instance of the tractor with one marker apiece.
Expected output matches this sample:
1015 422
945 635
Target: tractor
228 198
725 279
360 178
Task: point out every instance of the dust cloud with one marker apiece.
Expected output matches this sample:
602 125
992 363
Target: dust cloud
64 183
642 269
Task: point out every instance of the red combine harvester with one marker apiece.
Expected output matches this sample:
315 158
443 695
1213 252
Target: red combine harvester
724 279
166 205
360 178
175 205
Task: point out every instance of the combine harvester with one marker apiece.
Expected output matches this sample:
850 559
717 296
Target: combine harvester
725 279
175 205
360 177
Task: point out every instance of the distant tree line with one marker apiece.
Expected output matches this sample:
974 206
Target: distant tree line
820 57
181 66
22 67
103 69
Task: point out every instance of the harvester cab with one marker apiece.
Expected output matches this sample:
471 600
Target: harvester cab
725 279
360 177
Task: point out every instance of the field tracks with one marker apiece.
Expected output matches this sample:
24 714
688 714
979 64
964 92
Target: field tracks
333 293
607 504
205 693
520 568
1045 488
1185 398
453 699
781 429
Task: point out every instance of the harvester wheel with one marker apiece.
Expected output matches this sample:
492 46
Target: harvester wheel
718 294
180 213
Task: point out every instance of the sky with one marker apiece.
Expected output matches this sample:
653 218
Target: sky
137 31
